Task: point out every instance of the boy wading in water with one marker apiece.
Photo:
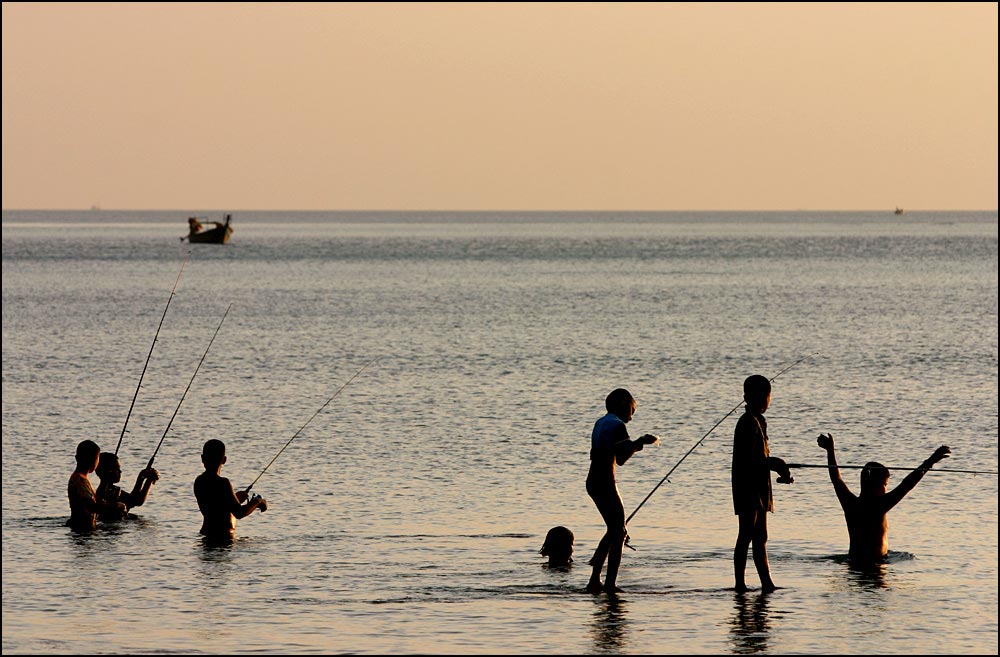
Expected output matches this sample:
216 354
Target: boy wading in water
610 444
83 503
751 475
109 471
220 505
866 513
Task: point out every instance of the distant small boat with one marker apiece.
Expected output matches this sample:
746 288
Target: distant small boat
198 234
899 210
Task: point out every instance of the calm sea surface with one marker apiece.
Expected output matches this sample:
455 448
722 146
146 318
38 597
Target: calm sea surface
407 516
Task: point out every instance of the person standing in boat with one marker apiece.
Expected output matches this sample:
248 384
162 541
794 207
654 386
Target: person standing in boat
866 513
109 471
610 445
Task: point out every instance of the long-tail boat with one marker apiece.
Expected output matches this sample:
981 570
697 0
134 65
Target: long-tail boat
198 233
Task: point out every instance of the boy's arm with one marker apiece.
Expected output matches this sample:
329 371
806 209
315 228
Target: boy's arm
778 465
140 491
893 497
242 510
844 493
625 448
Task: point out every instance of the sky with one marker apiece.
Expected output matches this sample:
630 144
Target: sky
500 106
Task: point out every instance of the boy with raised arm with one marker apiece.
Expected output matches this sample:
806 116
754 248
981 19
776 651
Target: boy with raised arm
610 444
220 505
109 471
751 479
867 524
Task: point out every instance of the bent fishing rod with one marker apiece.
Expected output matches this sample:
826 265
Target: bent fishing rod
702 439
150 464
339 390
888 467
172 291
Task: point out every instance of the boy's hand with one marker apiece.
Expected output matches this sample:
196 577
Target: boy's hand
649 439
261 503
241 496
784 474
941 452
825 441
151 474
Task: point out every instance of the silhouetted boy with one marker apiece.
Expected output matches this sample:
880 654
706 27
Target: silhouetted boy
558 547
109 471
751 478
867 524
83 504
610 444
220 505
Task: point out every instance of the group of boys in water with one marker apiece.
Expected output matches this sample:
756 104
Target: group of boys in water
219 503
221 506
752 465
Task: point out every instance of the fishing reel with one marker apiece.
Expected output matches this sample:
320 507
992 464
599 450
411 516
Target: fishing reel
256 498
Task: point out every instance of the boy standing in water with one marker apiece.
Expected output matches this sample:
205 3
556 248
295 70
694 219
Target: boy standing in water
867 524
109 471
220 505
610 444
83 504
751 479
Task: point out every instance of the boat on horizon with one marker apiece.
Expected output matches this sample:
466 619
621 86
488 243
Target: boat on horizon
199 234
899 210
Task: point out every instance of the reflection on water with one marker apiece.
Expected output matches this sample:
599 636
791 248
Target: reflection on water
610 629
867 578
214 548
750 624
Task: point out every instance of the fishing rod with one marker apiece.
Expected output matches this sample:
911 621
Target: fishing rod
862 467
339 390
150 464
704 437
150 353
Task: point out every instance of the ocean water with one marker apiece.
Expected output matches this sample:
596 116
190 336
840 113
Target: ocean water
407 515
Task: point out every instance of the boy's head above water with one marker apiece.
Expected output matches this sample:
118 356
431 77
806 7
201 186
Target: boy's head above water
558 546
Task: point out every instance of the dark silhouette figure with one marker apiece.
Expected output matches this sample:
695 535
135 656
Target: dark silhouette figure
610 444
751 478
83 503
109 471
220 505
866 513
558 547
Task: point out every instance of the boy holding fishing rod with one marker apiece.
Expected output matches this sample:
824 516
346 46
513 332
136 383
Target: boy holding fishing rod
109 471
751 479
610 444
867 524
220 505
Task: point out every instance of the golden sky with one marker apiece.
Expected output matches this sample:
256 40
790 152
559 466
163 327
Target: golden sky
506 106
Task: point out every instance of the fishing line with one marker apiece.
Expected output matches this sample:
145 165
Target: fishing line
172 291
706 436
887 467
150 464
339 390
